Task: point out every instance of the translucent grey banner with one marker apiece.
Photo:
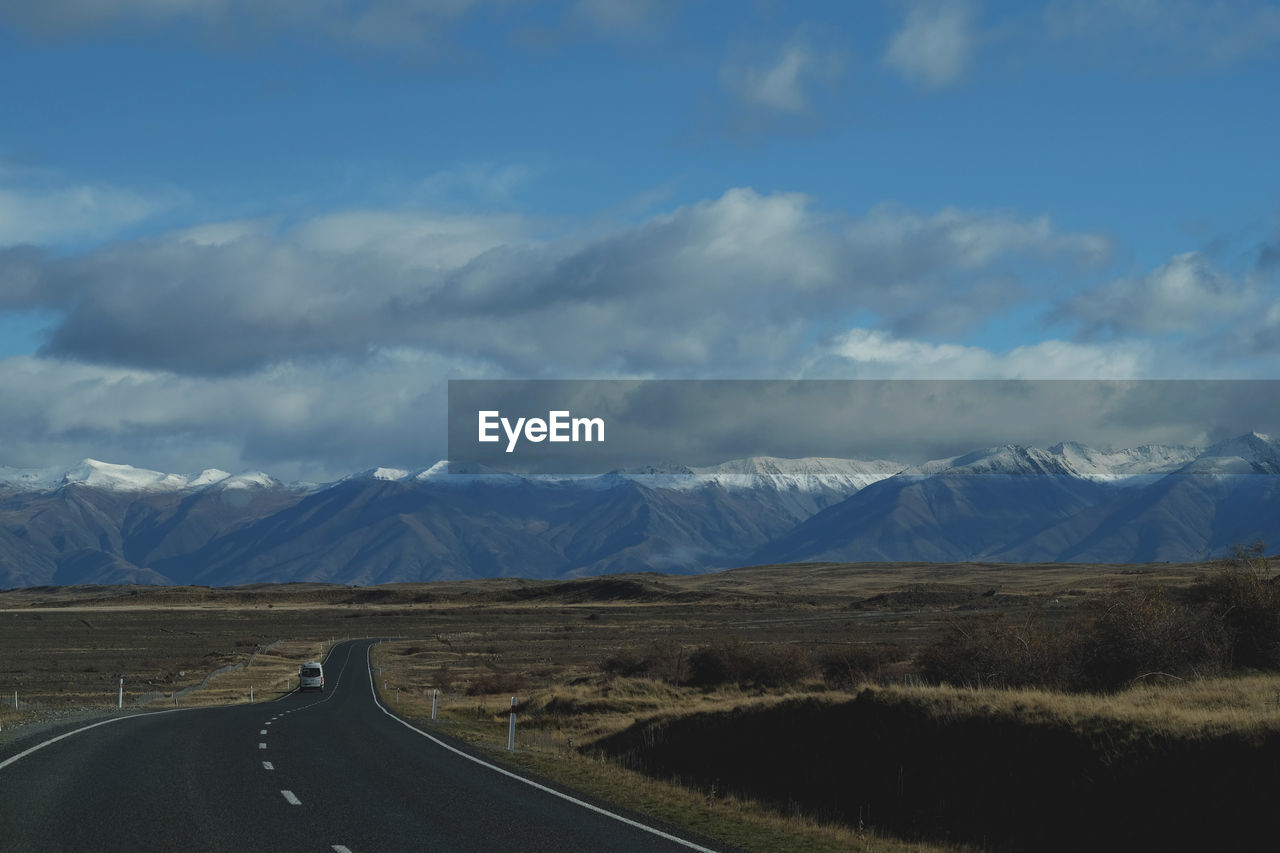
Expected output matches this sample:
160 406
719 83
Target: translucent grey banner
573 427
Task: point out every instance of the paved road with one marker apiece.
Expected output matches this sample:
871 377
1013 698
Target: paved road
333 772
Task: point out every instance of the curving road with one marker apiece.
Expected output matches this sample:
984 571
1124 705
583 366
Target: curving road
334 772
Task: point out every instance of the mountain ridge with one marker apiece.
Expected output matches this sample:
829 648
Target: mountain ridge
99 522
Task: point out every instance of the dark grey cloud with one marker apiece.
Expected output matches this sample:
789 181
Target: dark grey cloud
740 285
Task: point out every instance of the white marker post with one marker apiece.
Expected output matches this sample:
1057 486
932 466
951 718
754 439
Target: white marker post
511 727
120 704
435 696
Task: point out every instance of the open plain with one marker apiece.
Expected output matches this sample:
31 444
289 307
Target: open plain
592 662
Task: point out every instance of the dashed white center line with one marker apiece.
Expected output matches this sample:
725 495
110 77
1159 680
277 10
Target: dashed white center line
263 732
292 800
338 848
262 746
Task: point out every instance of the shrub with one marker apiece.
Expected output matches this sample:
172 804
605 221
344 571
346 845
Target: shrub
1243 598
732 661
850 666
990 652
496 682
1136 635
663 660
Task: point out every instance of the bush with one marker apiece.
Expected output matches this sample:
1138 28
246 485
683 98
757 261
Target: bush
732 661
1243 598
627 663
496 682
663 660
849 666
1127 636
990 652
1136 635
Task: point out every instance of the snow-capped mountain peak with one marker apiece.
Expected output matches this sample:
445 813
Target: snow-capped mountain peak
1251 453
808 474
107 475
388 474
439 469
207 477
249 480
1129 466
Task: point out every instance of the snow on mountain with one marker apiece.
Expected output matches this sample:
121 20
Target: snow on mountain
31 479
388 474
809 474
249 480
1253 453
439 469
111 476
1130 466
1005 459
1133 465
207 477
123 478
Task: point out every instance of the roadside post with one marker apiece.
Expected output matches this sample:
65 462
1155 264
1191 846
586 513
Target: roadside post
435 696
120 703
511 727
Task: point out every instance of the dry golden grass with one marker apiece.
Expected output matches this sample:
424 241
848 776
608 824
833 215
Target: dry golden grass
554 722
1243 704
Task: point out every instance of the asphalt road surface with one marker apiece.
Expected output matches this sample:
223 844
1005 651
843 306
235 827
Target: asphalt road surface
316 772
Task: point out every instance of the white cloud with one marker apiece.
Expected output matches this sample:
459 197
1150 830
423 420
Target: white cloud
383 23
483 183
935 44
872 353
783 82
1184 294
409 239
1184 32
48 214
618 16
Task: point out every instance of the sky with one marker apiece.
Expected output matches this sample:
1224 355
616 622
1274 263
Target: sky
264 235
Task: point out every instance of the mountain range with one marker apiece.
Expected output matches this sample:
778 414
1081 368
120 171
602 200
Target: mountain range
105 523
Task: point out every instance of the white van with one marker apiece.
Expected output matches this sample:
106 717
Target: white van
311 676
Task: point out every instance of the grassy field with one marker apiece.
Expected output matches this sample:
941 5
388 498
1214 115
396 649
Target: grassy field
565 649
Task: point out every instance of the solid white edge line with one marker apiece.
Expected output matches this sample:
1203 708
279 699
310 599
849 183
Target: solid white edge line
13 758
291 798
495 768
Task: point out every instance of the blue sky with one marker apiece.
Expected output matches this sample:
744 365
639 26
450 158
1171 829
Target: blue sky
265 234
